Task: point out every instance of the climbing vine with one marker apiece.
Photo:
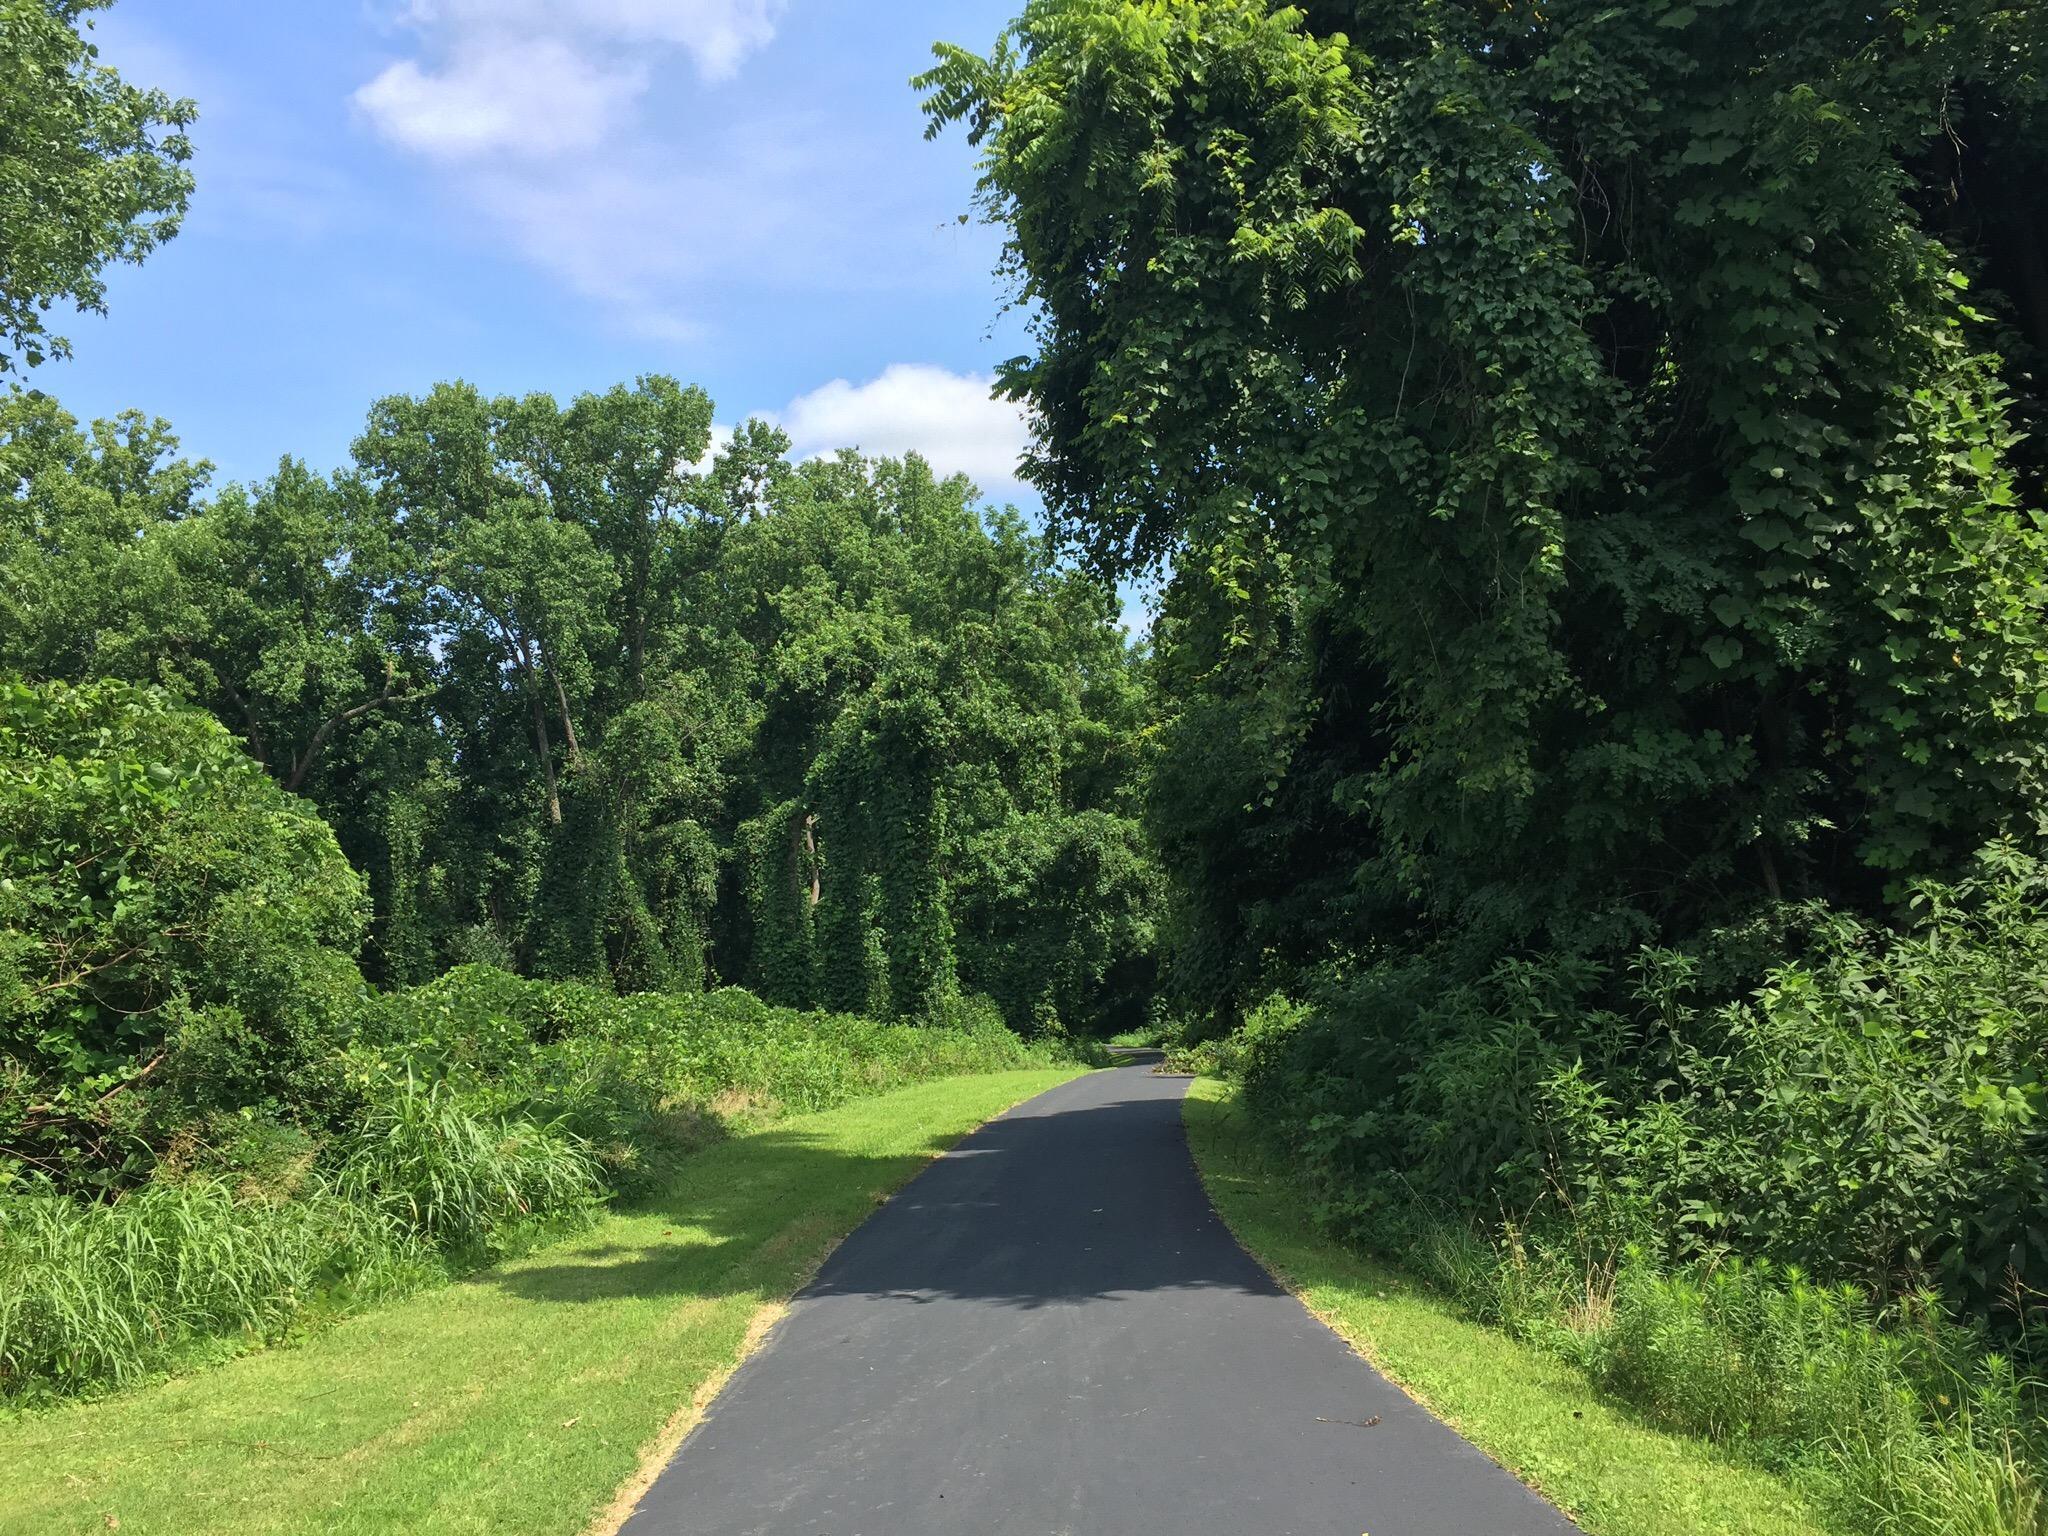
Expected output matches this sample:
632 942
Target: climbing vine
1590 481
780 854
576 706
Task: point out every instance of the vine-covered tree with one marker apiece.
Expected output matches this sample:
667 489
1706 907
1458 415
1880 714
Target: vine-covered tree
1585 440
576 700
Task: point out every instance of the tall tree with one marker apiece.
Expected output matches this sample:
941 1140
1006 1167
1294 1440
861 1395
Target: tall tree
92 171
1568 434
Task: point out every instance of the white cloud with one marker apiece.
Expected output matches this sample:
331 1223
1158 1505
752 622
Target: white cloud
636 231
521 96
717 34
571 128
950 418
545 77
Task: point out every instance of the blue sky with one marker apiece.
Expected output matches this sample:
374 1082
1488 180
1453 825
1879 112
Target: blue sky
557 195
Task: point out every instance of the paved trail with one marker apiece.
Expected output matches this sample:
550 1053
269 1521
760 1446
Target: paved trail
1051 1333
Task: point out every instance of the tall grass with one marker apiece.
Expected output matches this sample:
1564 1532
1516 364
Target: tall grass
100 1295
475 1111
1897 1420
461 1180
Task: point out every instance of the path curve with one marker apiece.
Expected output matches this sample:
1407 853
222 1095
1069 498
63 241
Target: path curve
1050 1332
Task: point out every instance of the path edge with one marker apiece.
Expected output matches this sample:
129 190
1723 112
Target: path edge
1358 1347
654 1457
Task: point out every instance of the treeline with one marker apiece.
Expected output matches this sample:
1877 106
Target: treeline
585 700
299 780
384 853
1604 669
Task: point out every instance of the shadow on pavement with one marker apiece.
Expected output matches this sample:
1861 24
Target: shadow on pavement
1082 1200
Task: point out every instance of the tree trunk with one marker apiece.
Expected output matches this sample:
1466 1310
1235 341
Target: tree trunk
562 704
547 759
803 855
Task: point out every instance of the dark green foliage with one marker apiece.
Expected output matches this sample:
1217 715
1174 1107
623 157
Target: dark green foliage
1590 488
1057 915
170 921
1870 1112
884 834
546 679
1605 579
779 853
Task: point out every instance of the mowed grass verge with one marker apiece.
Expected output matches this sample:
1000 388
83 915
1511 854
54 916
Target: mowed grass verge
519 1401
1532 1413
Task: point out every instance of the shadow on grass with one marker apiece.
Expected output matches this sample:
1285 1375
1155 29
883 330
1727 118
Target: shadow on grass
1085 1195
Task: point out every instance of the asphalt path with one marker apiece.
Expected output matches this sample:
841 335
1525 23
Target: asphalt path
1050 1332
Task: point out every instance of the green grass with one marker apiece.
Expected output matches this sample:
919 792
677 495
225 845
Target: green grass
520 1400
1143 1037
1535 1414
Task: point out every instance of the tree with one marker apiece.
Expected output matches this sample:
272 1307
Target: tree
92 171
1580 462
75 507
622 465
577 702
522 582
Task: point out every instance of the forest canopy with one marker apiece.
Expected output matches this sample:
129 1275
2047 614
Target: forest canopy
582 698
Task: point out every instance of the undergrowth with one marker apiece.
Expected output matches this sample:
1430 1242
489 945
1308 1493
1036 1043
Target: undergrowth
463 1120
1781 1188
1897 1419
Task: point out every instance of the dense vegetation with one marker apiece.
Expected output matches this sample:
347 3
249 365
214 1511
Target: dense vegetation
574 706
457 1122
1584 779
523 692
1602 662
569 707
383 853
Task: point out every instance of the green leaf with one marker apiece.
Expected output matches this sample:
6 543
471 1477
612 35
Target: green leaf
1724 651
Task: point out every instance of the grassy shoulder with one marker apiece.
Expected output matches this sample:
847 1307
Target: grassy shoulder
520 1400
1535 1414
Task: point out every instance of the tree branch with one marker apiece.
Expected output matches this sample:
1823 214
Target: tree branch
327 727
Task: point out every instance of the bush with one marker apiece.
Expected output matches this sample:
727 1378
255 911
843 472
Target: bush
465 1116
1791 1204
1869 1111
171 922
638 1078
1897 1419
459 1177
1264 1029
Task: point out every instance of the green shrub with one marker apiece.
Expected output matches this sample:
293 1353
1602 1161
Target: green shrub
171 922
625 1074
1264 1029
1783 1188
458 1176
465 1115
1869 1111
